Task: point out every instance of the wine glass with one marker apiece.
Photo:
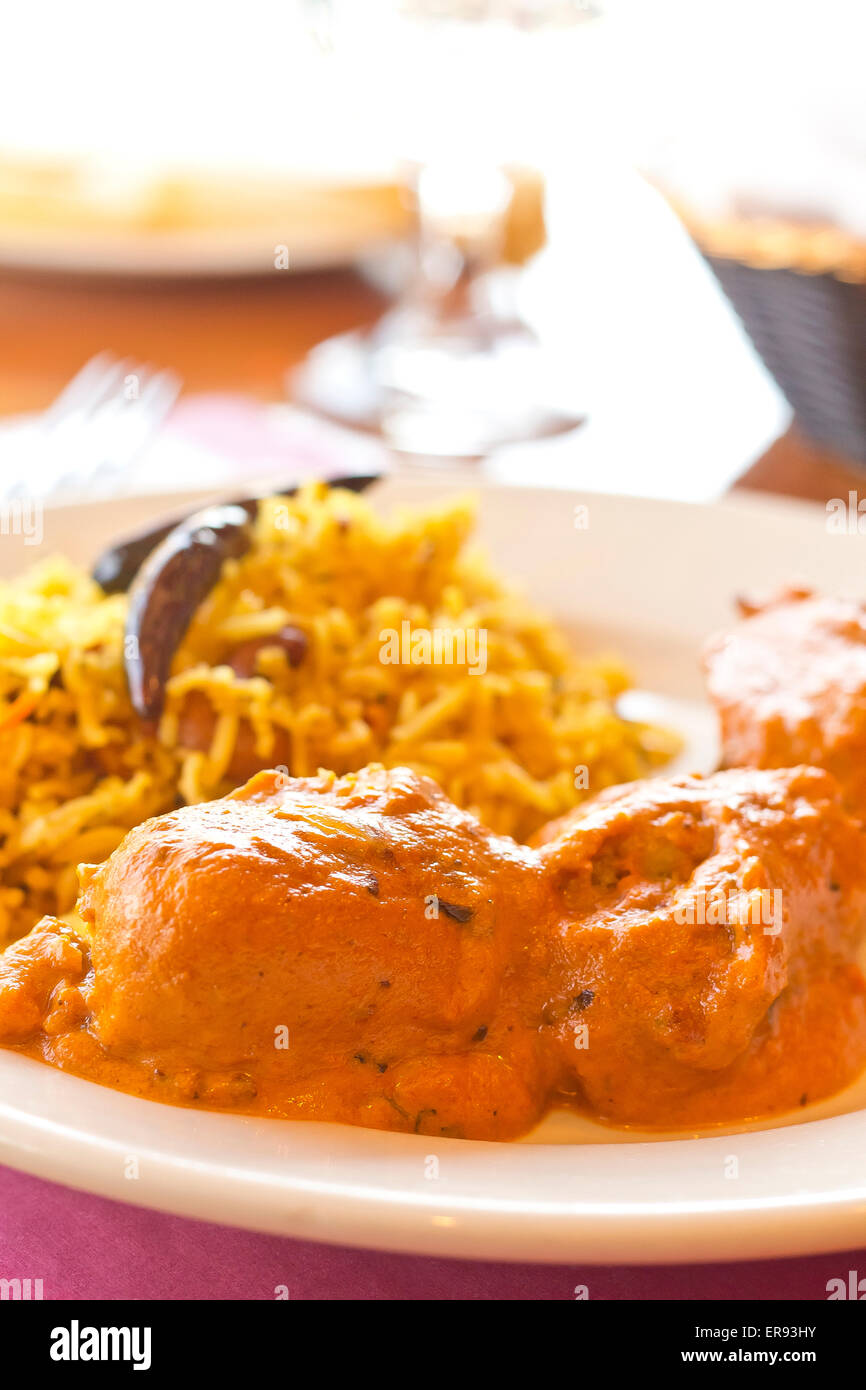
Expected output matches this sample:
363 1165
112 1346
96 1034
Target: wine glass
451 370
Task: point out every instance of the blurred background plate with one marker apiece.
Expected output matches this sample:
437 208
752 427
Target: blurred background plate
63 218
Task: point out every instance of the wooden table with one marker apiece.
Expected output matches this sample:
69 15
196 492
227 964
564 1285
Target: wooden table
798 468
242 335
220 335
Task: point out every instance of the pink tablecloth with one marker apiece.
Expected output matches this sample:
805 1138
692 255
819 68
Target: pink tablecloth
86 1247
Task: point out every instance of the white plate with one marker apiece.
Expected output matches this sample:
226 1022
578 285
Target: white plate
650 579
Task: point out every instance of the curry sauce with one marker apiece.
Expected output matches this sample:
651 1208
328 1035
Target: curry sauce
358 949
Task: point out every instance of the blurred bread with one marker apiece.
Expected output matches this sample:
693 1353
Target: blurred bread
89 197
44 198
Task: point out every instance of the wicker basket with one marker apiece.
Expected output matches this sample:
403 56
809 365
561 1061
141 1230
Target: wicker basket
801 294
810 331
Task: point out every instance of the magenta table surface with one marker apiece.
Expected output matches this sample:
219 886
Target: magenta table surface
90 1248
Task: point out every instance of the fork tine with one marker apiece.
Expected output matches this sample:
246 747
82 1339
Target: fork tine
108 431
61 426
87 382
160 391
146 414
106 393
91 430
142 414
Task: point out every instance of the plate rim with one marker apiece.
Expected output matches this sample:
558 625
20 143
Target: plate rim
339 1210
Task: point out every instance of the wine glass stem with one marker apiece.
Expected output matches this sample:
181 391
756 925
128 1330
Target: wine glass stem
462 205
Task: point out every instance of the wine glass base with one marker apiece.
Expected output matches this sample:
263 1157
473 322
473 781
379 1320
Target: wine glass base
451 395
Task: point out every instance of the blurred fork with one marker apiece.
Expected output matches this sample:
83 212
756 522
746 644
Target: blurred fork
95 428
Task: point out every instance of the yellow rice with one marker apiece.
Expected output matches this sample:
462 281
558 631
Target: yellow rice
75 774
76 771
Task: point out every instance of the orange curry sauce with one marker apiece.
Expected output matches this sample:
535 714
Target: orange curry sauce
676 952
